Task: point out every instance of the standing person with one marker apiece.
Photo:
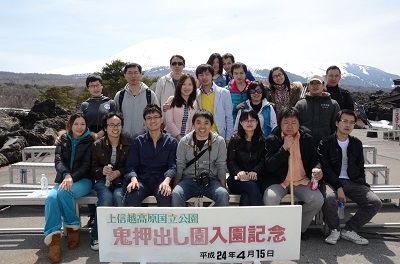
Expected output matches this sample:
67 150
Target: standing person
342 161
183 106
238 87
342 96
132 99
246 153
288 140
166 85
216 100
257 101
215 61
72 162
281 93
112 149
201 164
95 109
98 106
317 110
227 61
151 162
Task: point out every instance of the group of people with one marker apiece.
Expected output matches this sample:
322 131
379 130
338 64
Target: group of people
179 141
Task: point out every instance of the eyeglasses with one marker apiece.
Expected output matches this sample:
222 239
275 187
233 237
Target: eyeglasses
150 118
251 121
94 85
177 63
114 125
257 90
347 122
277 75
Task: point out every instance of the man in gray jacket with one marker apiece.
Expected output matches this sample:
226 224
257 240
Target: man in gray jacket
135 97
205 175
317 110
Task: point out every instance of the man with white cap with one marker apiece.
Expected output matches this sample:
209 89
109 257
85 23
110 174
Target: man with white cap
317 110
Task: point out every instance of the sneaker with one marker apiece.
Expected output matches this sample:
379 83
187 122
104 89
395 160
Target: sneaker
333 237
353 237
95 244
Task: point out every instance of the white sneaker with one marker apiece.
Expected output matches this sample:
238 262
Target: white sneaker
333 237
353 237
94 245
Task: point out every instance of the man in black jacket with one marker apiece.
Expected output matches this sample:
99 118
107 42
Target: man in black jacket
287 141
342 160
342 96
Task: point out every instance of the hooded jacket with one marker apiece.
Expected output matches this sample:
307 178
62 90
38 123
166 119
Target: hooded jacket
318 115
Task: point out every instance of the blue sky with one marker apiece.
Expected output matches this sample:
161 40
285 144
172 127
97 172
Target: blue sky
40 36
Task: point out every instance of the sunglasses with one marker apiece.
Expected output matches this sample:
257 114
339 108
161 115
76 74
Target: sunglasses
257 90
177 63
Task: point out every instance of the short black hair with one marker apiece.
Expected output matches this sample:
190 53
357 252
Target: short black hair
93 78
203 113
177 56
345 111
132 65
229 55
203 68
288 112
150 109
237 65
333 67
110 115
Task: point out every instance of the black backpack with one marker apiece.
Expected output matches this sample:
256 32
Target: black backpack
122 93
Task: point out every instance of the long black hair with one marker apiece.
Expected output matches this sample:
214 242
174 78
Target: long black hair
272 82
258 134
178 100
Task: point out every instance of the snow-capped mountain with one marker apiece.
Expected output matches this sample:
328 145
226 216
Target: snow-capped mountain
154 57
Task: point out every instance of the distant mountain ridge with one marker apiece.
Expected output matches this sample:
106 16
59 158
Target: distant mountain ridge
353 75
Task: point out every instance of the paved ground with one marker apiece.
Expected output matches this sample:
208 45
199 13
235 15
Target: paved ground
384 247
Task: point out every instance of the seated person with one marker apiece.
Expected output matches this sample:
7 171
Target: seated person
72 162
112 149
246 153
201 164
285 141
342 162
151 162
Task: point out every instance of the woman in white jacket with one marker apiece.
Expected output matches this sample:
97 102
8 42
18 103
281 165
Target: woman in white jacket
257 101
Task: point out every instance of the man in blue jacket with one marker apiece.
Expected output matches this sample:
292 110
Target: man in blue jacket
151 162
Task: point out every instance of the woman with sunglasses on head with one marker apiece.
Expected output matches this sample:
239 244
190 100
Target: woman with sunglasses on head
72 163
215 61
178 117
258 102
281 93
108 166
245 159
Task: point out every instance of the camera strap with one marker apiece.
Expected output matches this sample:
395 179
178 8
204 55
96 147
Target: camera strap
197 156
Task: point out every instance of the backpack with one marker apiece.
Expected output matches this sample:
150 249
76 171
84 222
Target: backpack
122 93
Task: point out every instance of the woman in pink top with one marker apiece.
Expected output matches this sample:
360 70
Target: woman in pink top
182 107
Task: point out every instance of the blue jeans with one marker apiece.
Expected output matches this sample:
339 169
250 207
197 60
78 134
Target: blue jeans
313 200
106 197
60 205
248 189
187 188
147 188
368 202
